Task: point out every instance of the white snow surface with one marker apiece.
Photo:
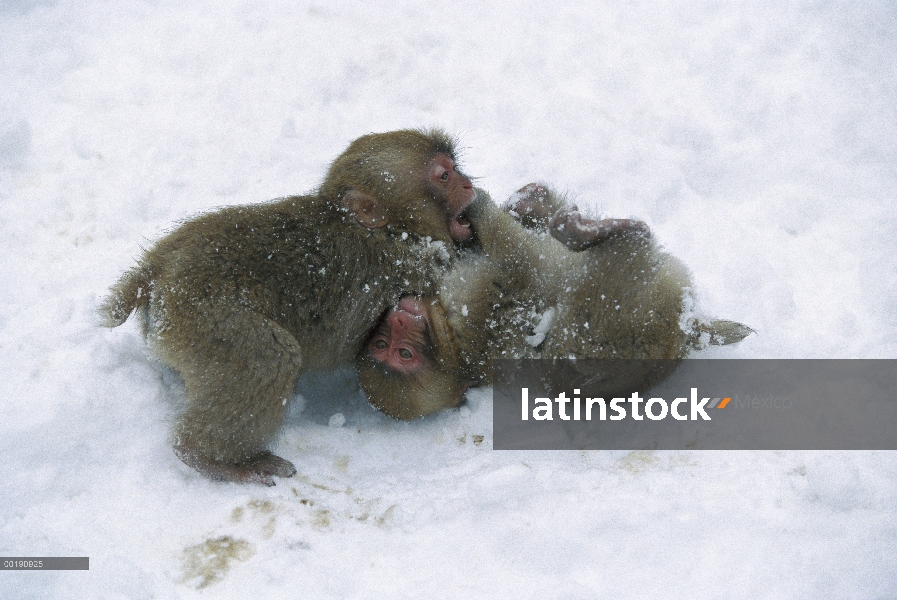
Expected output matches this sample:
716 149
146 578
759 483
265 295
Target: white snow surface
758 140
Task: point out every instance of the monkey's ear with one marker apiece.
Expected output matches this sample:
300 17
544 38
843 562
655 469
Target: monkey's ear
366 209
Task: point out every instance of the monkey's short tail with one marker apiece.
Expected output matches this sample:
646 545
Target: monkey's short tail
131 292
720 332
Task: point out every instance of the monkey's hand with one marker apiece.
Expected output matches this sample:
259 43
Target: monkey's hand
577 233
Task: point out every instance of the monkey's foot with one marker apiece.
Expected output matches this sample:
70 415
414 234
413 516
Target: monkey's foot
577 233
262 467
720 333
258 469
529 206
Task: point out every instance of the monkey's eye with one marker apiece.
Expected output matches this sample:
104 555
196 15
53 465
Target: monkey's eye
380 345
444 176
405 354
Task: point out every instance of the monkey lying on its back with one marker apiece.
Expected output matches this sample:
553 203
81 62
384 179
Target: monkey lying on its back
593 289
241 300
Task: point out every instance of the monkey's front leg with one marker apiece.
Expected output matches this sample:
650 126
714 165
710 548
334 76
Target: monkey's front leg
499 234
239 369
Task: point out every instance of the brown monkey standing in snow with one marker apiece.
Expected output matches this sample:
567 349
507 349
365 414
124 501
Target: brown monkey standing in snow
242 300
591 289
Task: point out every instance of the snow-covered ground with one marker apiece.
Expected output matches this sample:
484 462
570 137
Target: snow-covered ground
759 141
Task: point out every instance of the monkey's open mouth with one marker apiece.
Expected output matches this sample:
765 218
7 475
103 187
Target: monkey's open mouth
460 227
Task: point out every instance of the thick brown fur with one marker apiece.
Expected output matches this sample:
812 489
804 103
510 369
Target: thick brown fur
242 300
528 295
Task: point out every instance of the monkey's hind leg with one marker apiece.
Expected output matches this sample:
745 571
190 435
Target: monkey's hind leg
577 233
239 369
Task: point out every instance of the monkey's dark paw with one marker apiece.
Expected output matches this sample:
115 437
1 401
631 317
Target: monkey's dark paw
723 333
271 464
529 205
259 469
262 467
577 233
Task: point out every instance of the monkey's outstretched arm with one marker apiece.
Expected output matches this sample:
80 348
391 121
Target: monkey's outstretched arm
510 273
500 236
